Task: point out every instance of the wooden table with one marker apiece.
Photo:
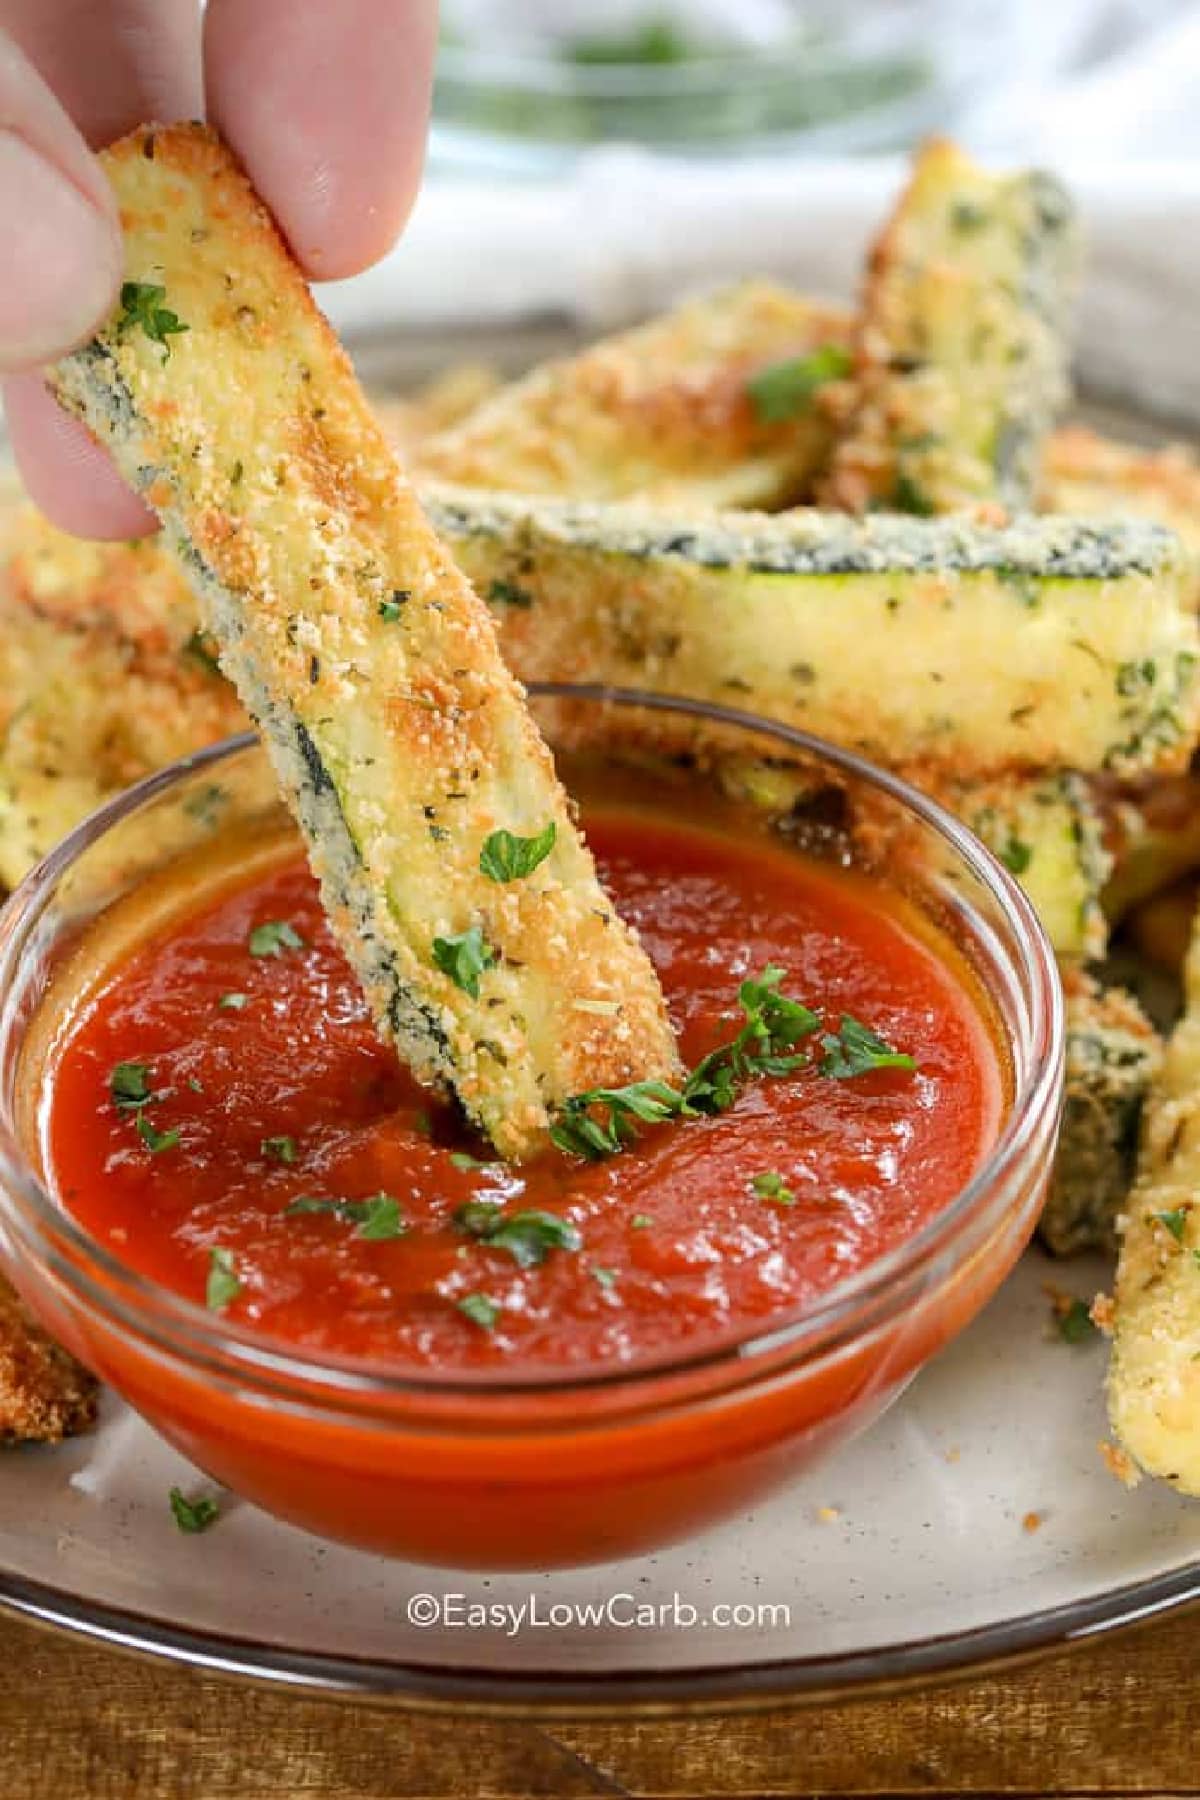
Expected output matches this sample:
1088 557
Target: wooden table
1119 1715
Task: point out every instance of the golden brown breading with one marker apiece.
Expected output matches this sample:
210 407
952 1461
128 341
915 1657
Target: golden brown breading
665 412
398 735
45 1394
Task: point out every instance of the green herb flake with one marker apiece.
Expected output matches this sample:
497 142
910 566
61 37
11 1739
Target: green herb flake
909 497
381 1219
1175 1221
154 1140
233 1002
391 609
857 1050
222 1285
141 304
770 1185
279 1149
129 1085
785 389
461 1160
505 857
480 1309
193 1515
1016 855
464 958
1074 1323
528 1237
198 651
508 593
274 937
641 1222
606 1278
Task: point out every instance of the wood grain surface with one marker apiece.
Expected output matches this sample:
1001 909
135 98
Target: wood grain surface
1118 1715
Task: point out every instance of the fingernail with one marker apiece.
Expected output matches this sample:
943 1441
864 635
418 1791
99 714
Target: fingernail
59 259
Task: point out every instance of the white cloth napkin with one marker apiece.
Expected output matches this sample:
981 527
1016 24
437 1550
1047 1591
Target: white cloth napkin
628 233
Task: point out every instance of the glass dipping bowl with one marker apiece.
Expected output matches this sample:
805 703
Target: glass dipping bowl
548 1470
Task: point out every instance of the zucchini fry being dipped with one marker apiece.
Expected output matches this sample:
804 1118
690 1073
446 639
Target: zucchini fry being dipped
400 739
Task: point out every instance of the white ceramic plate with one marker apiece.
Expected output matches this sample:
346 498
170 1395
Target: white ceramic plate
928 1565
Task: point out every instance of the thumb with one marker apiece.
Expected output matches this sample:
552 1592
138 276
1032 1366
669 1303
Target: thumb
60 248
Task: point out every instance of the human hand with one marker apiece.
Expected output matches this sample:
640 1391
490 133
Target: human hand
327 105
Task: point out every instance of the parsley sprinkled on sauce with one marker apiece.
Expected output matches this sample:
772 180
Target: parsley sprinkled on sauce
274 937
481 1309
1175 1221
641 1222
459 1159
222 1285
606 1278
142 304
233 1002
857 1050
129 1085
279 1149
505 857
785 389
376 1219
153 1139
1074 1323
770 1185
464 958
578 1131
528 1237
193 1515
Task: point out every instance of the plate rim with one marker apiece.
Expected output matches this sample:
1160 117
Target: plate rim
719 1688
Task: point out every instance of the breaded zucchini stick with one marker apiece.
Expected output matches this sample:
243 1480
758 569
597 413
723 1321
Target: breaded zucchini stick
1051 644
400 739
713 404
45 1395
1113 1057
1154 1377
1096 476
961 361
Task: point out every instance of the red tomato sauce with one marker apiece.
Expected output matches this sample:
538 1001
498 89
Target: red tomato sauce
286 1093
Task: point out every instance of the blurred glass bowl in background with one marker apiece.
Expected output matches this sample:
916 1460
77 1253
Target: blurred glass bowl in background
523 86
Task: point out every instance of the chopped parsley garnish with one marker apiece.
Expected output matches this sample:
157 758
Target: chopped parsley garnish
129 1085
197 649
222 1285
1133 676
376 1218
528 1237
509 593
784 389
279 1149
641 1222
602 1121
193 1515
505 857
390 610
233 1002
857 1050
909 497
480 1309
274 937
141 304
606 1278
156 1140
464 959
461 1160
1075 1323
1175 1221
1016 855
770 1185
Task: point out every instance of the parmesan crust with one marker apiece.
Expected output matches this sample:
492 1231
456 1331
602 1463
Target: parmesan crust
399 738
45 1395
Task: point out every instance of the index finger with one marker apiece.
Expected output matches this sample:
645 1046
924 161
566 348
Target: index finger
328 108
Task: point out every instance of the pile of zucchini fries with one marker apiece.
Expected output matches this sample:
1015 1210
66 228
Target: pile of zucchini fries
863 523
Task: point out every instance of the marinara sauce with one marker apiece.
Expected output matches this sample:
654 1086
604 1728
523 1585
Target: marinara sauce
222 1115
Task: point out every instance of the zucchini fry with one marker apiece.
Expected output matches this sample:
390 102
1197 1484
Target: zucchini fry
960 351
1052 644
1096 477
1154 1377
1113 1057
710 405
398 736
